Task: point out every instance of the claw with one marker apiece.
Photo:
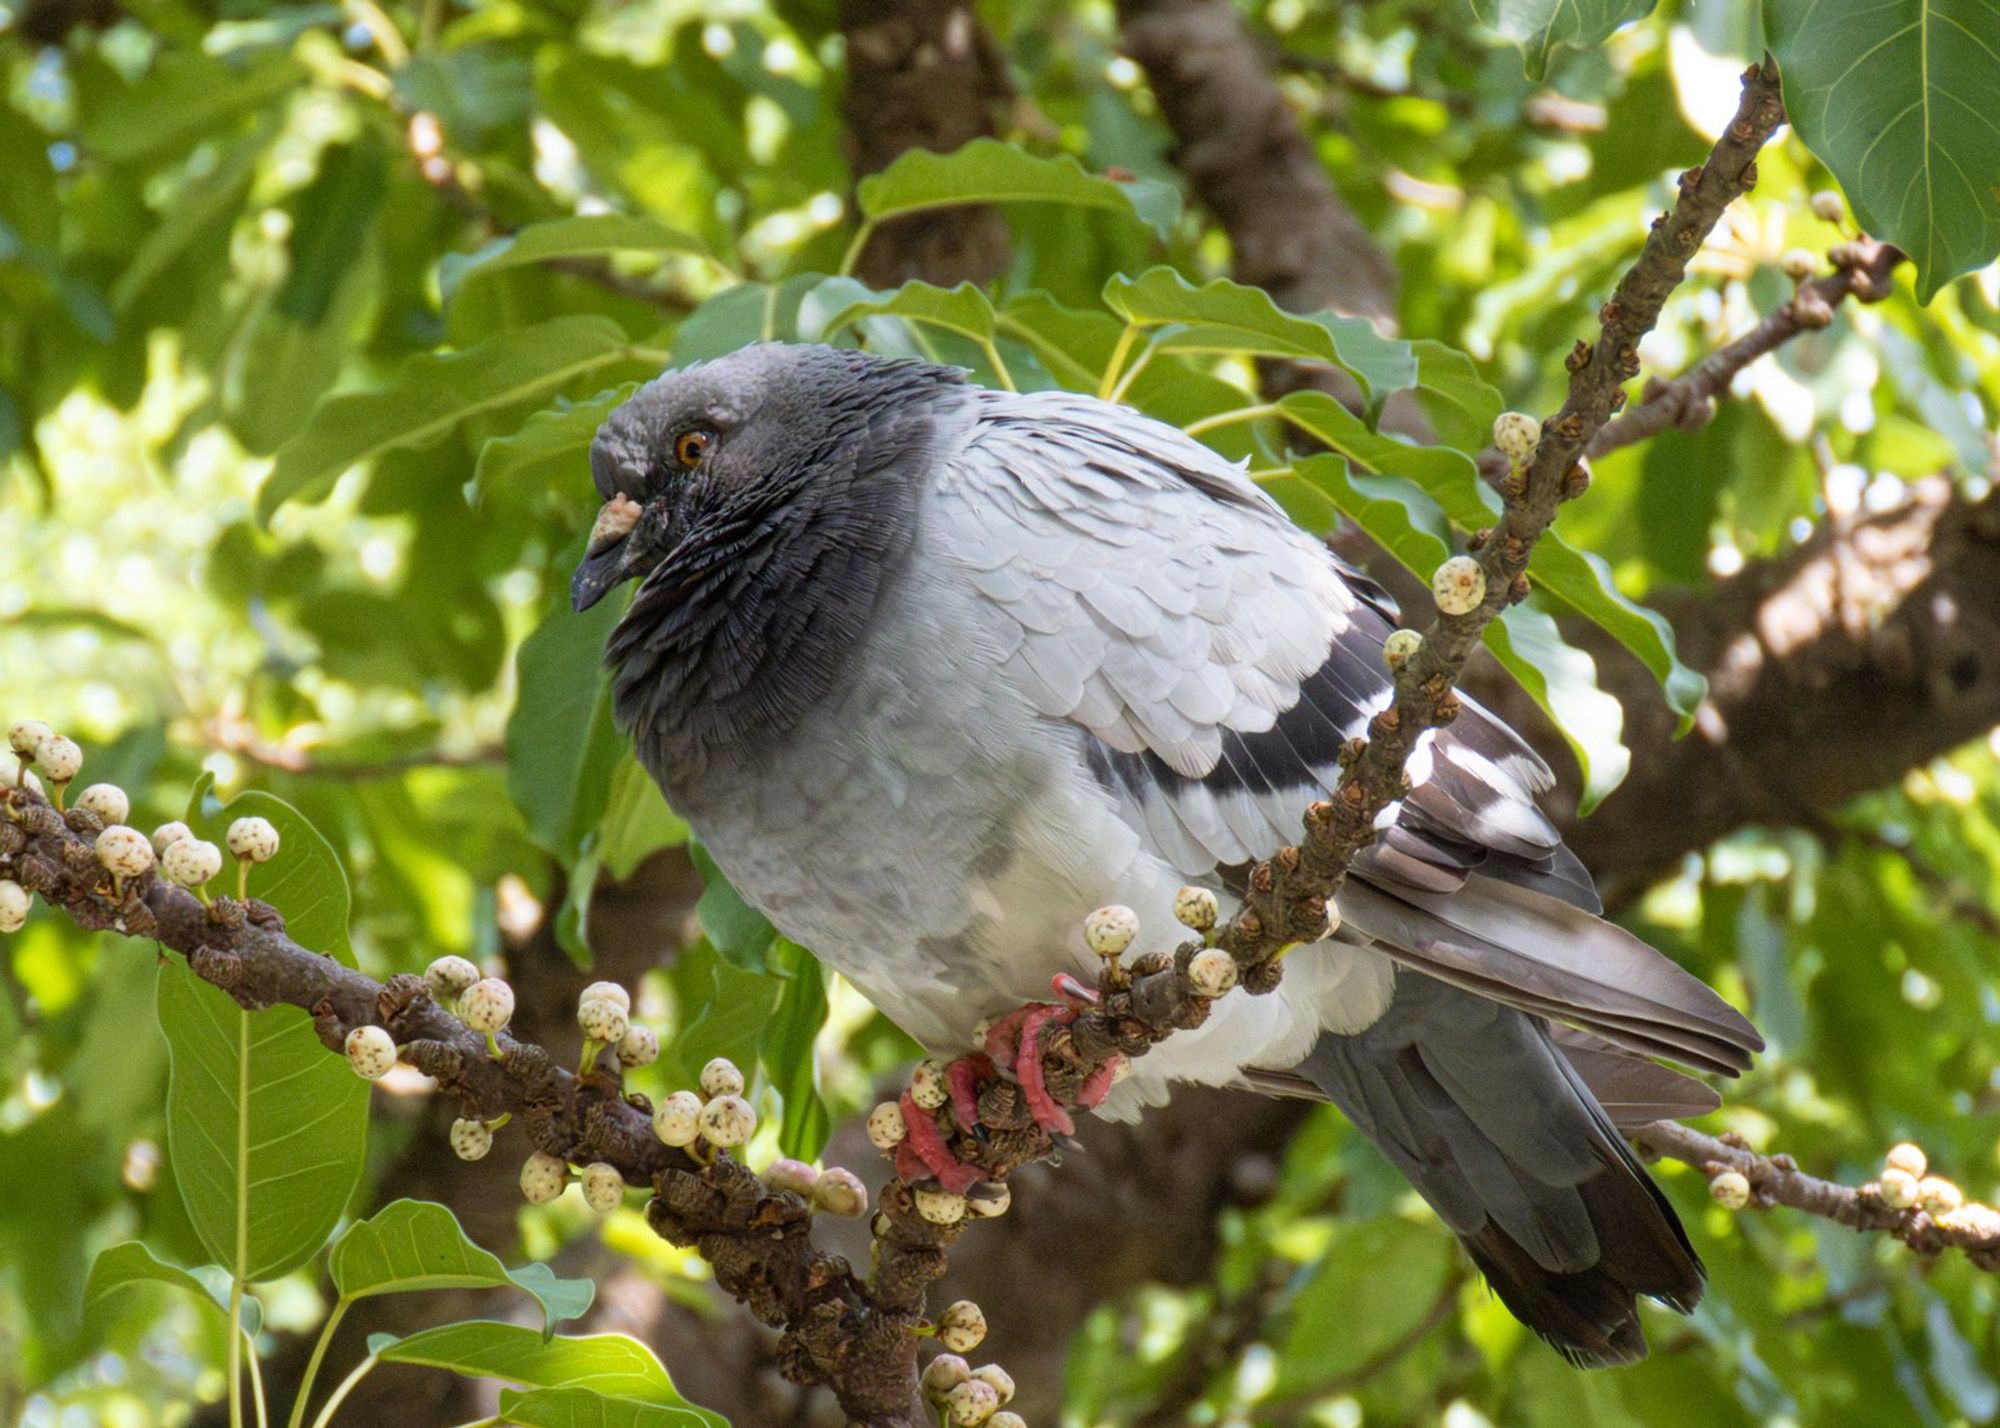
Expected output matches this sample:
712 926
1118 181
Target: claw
1072 993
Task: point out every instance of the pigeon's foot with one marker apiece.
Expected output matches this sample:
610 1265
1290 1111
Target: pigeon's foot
1012 1052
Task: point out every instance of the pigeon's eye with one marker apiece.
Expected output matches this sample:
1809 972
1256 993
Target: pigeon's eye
691 446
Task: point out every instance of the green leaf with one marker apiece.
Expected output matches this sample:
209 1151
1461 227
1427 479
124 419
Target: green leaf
637 822
1541 27
1074 343
551 449
1396 515
125 1265
1371 1289
305 881
581 1408
561 745
963 309
582 235
413 1244
1225 317
989 171
737 930
1896 97
185 97
610 1364
1563 680
788 1051
432 393
1583 582
1460 403
265 1130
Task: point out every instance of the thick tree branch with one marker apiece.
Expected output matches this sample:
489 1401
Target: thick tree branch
1833 668
1251 164
923 74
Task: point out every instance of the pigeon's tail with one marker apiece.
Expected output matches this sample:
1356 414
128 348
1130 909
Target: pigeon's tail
1474 1103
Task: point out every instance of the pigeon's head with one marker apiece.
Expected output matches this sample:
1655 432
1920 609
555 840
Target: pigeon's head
737 432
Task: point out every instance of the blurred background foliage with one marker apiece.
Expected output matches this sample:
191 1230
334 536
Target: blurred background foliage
226 227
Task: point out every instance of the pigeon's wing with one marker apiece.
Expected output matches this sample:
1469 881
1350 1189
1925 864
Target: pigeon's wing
1214 660
1218 657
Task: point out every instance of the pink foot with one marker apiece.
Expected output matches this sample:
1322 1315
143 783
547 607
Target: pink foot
931 1152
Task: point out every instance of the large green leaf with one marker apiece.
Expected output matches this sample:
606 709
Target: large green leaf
1460 403
963 309
187 96
1541 27
637 822
1225 317
582 1408
131 1263
1897 97
1376 1285
1449 478
580 235
610 1364
305 881
561 746
266 1131
737 930
410 1245
1563 680
549 451
989 171
433 392
789 1055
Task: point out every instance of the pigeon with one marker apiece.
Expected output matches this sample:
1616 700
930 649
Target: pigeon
933 670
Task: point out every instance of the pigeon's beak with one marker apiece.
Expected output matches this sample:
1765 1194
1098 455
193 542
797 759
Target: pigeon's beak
603 567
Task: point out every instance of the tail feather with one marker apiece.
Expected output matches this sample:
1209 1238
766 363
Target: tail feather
1633 1090
1476 1104
1543 955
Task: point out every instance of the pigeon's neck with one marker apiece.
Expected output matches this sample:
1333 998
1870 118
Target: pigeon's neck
758 615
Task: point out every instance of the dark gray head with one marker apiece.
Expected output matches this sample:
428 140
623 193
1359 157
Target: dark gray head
758 499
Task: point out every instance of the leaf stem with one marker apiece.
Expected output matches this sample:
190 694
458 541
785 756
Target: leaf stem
257 1386
999 365
235 1352
1235 414
1109 383
1132 373
852 257
325 1341
339 1395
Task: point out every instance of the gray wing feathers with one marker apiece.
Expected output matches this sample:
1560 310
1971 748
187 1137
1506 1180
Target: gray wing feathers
1143 588
1543 955
1633 1090
1523 1165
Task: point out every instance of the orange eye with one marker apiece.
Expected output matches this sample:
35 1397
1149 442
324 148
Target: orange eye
691 446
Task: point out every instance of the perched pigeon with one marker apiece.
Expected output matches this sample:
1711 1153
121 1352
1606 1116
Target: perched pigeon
933 671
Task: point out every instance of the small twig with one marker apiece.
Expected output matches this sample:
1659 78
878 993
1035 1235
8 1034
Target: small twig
1777 1180
1863 269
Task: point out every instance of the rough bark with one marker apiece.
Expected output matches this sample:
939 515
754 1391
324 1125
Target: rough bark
923 74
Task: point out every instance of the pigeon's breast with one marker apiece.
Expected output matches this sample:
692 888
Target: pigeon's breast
921 828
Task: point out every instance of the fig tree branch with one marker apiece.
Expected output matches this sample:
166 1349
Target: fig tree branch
1863 269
